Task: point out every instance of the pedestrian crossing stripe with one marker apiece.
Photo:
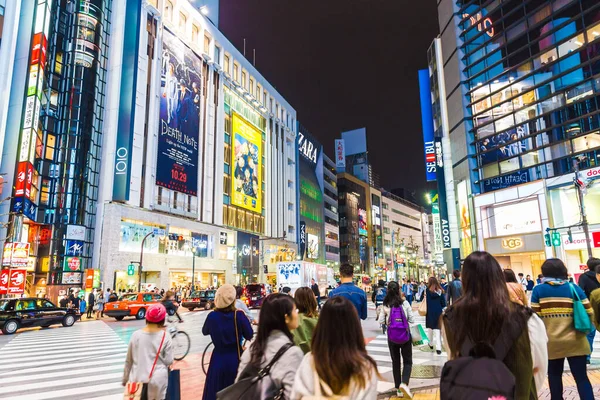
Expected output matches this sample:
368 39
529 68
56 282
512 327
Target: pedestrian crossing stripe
83 361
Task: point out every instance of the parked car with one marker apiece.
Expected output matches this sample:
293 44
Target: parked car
200 299
255 293
130 305
32 311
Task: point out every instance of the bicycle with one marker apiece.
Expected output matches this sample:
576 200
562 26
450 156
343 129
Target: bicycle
181 341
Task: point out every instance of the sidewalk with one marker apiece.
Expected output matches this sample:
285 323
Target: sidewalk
569 393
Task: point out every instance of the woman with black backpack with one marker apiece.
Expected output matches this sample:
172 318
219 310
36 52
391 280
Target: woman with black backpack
273 346
397 315
504 338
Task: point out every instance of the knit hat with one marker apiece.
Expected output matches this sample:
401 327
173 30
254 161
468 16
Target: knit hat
225 296
156 313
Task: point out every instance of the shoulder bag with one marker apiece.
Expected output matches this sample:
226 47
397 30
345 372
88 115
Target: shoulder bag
581 319
423 305
256 384
139 390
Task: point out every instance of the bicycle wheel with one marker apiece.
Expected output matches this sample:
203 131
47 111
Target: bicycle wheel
206 358
181 345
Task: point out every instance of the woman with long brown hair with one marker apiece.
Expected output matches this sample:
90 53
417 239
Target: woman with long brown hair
436 302
485 311
277 320
307 317
338 363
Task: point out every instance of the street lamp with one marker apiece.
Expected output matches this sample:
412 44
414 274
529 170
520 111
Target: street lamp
141 260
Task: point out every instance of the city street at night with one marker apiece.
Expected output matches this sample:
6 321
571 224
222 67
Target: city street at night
291 200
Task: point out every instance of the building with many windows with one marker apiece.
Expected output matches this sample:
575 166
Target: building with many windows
331 217
209 155
54 67
516 109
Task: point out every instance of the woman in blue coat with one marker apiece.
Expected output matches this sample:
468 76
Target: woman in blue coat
221 326
436 302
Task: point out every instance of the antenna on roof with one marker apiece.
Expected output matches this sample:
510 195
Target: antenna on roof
244 47
254 57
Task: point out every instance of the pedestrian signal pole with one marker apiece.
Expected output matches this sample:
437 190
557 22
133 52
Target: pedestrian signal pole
580 187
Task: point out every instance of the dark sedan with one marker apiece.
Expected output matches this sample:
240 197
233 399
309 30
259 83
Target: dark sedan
30 312
200 299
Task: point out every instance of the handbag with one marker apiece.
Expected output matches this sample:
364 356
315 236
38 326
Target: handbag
423 306
139 390
581 319
319 395
256 384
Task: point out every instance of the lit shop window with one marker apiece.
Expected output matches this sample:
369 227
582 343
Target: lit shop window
195 33
182 21
168 11
226 63
207 43
593 33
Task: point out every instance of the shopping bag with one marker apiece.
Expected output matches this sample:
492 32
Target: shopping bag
581 319
423 307
418 335
174 387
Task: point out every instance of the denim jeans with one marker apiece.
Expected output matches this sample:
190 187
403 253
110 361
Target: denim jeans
590 338
579 371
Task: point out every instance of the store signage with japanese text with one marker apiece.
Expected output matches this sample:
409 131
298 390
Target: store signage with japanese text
4 281
16 281
340 153
72 264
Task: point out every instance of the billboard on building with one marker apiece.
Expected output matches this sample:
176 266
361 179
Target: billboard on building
427 121
310 195
246 158
340 154
466 244
178 132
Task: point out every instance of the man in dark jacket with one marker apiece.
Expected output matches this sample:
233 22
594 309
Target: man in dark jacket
90 304
454 288
379 293
588 282
315 288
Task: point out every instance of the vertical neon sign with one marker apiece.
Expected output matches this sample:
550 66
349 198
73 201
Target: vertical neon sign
30 139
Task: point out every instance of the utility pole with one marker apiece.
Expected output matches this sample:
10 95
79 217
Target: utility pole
584 222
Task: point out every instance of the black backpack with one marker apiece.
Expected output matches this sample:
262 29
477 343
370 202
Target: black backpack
256 383
482 374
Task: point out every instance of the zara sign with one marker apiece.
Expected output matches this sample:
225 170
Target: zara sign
307 148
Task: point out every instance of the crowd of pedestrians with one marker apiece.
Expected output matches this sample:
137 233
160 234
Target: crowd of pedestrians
492 322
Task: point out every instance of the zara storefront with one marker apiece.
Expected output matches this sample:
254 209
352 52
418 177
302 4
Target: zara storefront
511 226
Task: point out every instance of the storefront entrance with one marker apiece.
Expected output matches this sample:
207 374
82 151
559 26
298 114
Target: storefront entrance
202 279
525 263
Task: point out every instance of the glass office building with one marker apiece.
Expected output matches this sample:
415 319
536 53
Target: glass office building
515 97
532 84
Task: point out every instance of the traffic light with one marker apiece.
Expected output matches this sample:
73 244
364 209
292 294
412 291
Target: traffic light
556 239
547 240
175 236
131 269
570 236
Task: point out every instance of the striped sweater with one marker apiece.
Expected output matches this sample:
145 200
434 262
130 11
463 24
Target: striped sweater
553 302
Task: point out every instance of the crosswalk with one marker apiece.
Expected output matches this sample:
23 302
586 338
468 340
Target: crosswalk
82 362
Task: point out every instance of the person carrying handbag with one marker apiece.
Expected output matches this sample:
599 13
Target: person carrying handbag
226 327
397 315
149 356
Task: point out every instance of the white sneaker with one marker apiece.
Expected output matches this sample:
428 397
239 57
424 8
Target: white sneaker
399 394
405 391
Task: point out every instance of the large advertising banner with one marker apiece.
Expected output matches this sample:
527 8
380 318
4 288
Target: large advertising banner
246 156
178 136
466 244
427 121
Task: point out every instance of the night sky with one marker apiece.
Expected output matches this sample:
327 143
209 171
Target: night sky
345 64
